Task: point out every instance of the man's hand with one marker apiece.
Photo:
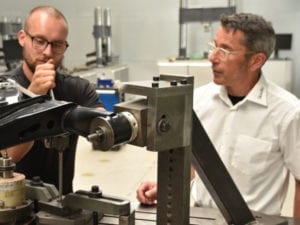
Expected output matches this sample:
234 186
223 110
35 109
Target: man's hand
43 78
147 193
297 199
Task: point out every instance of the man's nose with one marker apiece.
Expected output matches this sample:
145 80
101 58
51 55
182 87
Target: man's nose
213 56
48 49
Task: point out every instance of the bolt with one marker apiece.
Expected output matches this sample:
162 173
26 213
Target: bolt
173 83
183 81
155 84
156 78
164 125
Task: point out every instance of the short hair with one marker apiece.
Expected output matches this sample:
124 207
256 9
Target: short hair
49 10
259 33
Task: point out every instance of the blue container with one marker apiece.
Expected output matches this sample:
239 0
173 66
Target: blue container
108 97
105 83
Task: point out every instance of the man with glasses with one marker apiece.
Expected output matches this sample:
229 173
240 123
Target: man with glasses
43 40
253 123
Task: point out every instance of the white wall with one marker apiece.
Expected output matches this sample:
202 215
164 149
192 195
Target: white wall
147 31
284 16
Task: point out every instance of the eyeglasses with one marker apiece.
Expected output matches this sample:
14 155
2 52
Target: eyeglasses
222 53
40 44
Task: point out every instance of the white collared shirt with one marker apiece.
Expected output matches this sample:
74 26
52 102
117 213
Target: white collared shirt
258 140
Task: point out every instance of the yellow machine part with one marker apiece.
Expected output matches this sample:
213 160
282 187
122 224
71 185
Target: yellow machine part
12 191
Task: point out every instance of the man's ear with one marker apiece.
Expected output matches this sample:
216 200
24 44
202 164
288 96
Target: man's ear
257 61
21 37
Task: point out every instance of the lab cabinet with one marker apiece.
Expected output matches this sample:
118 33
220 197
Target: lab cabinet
278 71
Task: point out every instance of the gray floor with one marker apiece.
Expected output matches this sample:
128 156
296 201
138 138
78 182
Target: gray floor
119 172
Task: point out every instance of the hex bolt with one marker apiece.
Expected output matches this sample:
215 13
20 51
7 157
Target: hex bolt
155 78
155 84
95 188
173 83
164 125
183 81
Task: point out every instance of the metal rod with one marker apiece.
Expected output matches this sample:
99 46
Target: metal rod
107 24
98 34
60 174
182 32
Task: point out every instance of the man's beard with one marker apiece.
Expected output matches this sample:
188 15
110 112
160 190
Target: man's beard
32 65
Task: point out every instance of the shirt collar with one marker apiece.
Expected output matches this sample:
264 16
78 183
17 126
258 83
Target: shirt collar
258 93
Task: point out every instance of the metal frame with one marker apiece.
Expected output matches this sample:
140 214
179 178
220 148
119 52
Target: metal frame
188 15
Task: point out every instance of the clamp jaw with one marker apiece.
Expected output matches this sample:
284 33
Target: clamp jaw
81 207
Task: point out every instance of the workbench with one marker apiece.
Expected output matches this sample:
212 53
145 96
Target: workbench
198 215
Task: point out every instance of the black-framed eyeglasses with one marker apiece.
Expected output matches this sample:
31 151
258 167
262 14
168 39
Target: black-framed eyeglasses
40 44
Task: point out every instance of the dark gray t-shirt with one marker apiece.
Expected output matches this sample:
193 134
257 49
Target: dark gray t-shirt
41 161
